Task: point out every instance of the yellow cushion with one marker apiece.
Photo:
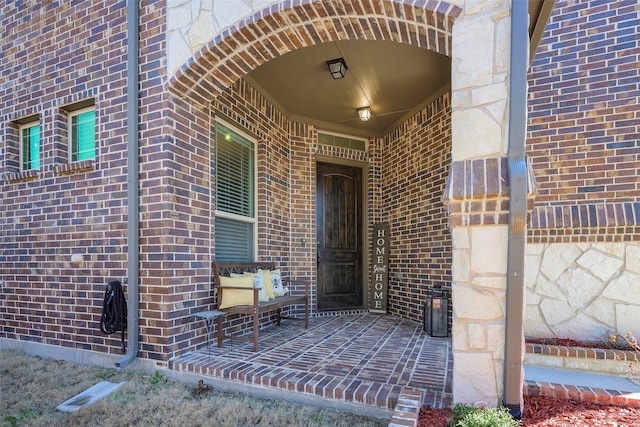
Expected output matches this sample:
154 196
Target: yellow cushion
268 287
233 297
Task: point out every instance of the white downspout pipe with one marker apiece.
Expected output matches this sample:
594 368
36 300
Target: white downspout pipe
514 351
133 228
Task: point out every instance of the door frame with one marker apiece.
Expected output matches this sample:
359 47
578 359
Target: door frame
364 213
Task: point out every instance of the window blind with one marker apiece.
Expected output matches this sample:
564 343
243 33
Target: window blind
83 130
234 173
234 240
235 194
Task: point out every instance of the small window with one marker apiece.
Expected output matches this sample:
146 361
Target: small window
82 134
342 141
30 146
235 196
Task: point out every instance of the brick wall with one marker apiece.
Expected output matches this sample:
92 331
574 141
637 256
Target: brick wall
414 166
52 55
583 136
60 54
280 199
410 199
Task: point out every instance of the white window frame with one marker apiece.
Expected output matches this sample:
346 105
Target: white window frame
21 128
240 218
70 116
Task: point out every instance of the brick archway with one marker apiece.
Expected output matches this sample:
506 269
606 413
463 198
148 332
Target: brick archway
281 28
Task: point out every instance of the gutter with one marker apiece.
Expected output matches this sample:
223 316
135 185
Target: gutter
514 345
133 226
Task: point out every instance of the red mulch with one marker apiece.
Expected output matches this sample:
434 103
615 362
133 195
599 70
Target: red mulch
540 411
617 345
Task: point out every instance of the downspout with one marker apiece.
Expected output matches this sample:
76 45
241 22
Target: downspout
133 272
514 351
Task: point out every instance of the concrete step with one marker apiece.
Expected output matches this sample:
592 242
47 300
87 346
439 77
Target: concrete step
604 388
579 358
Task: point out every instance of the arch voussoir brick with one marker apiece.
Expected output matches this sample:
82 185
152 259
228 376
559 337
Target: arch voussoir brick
284 27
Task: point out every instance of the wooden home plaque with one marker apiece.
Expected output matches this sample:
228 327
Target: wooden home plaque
379 268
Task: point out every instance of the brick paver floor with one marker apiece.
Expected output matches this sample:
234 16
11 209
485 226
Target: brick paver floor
361 358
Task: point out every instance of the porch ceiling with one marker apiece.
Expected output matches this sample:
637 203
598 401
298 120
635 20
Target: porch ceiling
393 79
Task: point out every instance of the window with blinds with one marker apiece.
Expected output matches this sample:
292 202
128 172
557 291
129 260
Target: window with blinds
235 196
30 146
82 125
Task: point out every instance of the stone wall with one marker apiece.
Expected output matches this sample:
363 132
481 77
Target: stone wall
480 86
584 291
191 24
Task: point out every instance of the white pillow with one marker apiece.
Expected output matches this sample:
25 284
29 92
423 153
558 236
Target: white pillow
258 282
276 283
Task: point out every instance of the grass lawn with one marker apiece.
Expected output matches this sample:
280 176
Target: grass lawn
31 388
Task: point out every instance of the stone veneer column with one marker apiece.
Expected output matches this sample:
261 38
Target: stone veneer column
478 197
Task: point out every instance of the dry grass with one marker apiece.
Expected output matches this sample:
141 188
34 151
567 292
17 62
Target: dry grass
31 388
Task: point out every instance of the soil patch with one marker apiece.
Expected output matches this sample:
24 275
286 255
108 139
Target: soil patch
541 411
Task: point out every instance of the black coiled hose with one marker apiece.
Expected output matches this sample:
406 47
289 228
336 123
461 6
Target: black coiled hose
114 311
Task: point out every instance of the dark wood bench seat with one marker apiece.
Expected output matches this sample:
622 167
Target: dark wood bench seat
293 298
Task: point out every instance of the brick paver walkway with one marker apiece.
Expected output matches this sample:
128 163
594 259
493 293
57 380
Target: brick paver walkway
363 358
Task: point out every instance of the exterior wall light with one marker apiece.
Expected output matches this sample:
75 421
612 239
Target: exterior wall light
337 68
364 113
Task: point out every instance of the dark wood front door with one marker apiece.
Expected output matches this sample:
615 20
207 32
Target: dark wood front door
339 236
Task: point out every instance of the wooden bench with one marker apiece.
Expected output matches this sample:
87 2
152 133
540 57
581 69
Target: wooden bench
257 308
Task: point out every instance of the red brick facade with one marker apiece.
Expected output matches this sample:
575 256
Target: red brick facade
414 166
582 141
583 135
67 209
51 56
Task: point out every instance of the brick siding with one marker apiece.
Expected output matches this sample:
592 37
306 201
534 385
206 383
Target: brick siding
414 166
60 54
52 55
583 136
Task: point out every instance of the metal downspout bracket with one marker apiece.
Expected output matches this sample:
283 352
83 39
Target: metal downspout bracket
133 226
514 351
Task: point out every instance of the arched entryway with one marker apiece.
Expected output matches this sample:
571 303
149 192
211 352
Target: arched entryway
389 44
213 83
